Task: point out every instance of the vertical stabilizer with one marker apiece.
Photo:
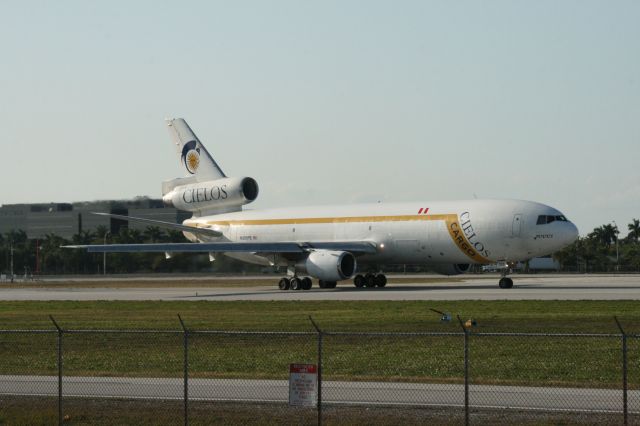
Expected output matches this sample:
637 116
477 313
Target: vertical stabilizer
194 157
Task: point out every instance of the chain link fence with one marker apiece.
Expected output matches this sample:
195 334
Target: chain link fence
232 377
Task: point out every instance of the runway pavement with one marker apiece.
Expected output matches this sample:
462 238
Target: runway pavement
526 287
337 392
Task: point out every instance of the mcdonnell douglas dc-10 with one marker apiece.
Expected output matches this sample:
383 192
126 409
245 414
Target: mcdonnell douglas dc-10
335 243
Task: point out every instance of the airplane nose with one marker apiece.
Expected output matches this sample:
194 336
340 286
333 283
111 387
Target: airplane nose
570 233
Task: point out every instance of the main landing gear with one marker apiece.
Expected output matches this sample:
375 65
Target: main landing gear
370 280
367 280
295 283
327 284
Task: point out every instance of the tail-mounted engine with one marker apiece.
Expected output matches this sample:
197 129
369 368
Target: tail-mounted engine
220 194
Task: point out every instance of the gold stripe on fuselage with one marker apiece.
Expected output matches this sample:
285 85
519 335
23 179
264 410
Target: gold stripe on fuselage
451 220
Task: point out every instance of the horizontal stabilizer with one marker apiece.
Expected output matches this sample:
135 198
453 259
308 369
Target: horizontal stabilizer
170 225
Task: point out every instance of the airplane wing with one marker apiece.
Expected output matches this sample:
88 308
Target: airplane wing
170 225
355 247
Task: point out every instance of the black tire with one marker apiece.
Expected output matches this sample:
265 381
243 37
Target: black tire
284 284
505 282
306 283
358 281
332 284
322 284
370 280
380 280
296 283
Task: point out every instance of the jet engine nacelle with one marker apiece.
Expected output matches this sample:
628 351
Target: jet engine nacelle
212 195
451 269
329 265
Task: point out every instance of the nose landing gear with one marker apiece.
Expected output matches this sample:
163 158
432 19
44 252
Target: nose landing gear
506 282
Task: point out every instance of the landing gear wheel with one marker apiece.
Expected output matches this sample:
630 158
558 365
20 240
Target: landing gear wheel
327 284
359 281
284 284
505 282
306 283
370 280
296 283
380 280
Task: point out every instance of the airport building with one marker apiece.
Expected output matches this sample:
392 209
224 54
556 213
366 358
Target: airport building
68 219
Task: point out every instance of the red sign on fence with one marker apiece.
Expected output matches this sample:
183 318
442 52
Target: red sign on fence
303 381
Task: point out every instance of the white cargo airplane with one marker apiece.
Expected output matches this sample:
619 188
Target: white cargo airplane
334 243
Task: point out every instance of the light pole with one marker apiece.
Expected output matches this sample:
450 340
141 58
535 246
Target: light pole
617 253
104 254
11 249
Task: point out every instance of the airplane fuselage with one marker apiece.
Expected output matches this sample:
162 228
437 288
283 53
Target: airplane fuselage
442 232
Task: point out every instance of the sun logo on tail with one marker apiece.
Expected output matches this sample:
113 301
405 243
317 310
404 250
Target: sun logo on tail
191 156
192 161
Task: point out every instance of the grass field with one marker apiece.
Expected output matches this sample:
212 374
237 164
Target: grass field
404 316
566 361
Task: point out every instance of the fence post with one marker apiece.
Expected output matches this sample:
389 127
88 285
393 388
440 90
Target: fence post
319 403
625 406
466 371
186 370
60 416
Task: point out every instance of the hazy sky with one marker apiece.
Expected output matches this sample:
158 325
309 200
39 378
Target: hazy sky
328 102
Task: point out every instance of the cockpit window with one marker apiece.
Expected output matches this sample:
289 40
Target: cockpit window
544 219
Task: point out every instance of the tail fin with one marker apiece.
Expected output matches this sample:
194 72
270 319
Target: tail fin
193 155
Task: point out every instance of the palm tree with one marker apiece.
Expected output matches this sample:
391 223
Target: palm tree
600 235
153 234
54 256
611 231
101 231
83 238
17 236
634 230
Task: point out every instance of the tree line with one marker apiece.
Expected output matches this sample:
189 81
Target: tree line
602 250
47 257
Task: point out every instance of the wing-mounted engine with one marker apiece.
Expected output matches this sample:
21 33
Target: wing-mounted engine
227 194
328 265
450 269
